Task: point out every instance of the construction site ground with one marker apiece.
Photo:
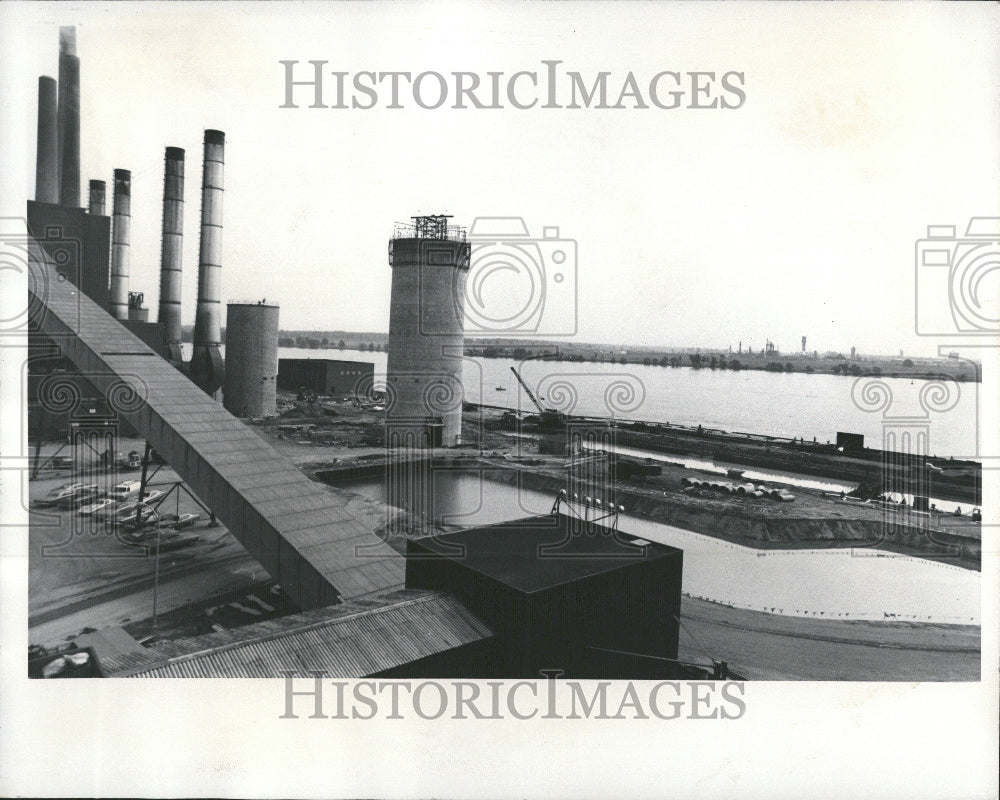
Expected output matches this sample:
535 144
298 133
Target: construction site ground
81 583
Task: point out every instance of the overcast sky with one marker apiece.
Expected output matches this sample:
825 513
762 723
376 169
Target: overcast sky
794 214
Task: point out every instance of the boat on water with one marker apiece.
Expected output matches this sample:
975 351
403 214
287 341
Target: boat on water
500 388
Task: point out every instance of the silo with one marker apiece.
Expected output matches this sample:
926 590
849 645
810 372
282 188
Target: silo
251 359
429 261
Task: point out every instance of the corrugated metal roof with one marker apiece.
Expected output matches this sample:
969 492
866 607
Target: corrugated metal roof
299 530
345 641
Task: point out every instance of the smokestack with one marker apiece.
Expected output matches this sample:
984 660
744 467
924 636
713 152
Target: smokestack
98 192
170 248
47 154
206 361
121 235
69 119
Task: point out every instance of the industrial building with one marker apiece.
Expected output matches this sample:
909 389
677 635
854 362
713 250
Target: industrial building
323 375
558 591
561 593
502 601
430 262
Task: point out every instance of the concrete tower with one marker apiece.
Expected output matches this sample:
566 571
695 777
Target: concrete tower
251 359
206 360
430 262
47 153
121 237
171 243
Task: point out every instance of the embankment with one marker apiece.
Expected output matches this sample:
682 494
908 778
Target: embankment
753 527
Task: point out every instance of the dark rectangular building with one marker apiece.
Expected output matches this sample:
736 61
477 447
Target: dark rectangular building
560 594
78 243
324 375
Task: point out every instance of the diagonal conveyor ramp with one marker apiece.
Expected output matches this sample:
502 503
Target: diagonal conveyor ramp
299 531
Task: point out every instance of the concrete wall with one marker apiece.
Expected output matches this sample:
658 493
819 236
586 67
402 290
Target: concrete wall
251 359
424 382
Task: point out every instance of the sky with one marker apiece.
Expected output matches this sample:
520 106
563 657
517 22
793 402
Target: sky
794 214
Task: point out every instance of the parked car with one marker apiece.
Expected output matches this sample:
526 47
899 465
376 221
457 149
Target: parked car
63 492
125 512
80 497
186 521
127 518
97 505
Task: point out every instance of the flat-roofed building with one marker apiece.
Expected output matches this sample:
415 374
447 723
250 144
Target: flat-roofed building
324 375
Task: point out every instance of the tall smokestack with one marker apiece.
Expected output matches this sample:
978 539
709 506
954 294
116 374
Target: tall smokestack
69 119
170 248
121 235
98 193
206 361
47 154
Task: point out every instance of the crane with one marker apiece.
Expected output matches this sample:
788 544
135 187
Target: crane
547 417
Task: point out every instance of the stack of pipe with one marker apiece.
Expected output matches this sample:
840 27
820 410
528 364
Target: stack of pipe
170 249
206 360
121 225
69 119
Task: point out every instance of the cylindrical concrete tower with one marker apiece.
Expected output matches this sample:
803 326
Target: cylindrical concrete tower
206 360
170 247
251 359
426 329
69 119
121 236
47 154
97 198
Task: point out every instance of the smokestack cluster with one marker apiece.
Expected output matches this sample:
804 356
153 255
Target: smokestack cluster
57 158
206 360
121 235
57 182
69 119
170 248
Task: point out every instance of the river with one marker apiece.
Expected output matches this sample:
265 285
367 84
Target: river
859 584
775 404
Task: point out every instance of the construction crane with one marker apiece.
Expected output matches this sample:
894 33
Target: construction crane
548 418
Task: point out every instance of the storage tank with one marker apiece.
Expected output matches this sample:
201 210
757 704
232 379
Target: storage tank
429 261
251 378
